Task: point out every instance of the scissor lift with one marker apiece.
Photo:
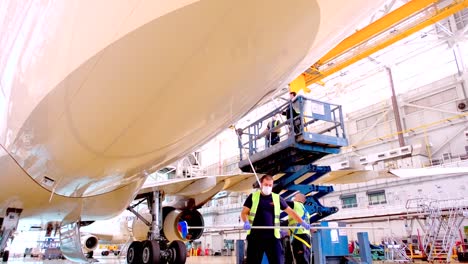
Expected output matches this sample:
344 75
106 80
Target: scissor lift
314 132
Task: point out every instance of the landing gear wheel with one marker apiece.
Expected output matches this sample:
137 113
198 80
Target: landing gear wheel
151 252
179 252
134 252
6 255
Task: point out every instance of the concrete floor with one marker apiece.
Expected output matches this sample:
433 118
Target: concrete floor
112 259
190 260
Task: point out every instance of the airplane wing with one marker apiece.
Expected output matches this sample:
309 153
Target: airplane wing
201 189
352 176
357 176
199 185
410 173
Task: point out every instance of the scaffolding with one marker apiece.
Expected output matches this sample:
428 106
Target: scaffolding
442 222
395 250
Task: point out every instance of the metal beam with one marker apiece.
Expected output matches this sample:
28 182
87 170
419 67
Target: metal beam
426 15
450 138
371 128
432 109
376 28
395 108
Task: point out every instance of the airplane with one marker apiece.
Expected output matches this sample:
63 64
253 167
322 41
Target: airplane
183 198
107 232
95 96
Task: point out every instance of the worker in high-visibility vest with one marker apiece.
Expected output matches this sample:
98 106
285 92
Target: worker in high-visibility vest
300 238
292 113
273 137
263 208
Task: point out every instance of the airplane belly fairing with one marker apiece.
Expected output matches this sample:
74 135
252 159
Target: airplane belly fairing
20 191
155 93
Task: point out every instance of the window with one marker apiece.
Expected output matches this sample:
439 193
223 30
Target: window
348 201
377 197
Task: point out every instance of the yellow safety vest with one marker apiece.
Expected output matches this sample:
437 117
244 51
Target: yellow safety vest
272 124
300 210
277 211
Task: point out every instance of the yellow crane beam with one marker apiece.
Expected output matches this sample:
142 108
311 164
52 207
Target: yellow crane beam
427 14
376 28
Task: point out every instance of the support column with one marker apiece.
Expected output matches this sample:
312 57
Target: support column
364 247
396 111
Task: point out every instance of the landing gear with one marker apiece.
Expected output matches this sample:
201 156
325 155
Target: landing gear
156 249
5 255
156 252
8 226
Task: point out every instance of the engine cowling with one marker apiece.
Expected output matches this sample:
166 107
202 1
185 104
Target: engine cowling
172 217
192 217
89 243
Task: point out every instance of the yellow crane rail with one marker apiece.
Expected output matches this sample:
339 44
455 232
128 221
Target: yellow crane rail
395 26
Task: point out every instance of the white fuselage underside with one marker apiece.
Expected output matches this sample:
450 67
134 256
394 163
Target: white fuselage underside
98 94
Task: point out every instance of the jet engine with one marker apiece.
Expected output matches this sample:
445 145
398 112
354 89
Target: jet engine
172 217
89 243
192 217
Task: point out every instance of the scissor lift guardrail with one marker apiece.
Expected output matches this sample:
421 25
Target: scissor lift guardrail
316 131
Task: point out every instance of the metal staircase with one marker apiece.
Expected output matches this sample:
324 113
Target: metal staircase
443 219
314 131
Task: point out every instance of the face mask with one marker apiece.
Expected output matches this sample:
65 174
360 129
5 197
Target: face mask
266 190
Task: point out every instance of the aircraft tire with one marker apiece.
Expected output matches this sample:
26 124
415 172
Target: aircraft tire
134 252
151 252
180 252
5 256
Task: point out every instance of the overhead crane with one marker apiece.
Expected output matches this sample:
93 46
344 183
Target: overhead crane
396 25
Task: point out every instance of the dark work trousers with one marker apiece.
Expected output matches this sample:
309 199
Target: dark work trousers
301 252
257 246
288 257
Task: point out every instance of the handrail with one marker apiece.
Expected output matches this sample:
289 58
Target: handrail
306 115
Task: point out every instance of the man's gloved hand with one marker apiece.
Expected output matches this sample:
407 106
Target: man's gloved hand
305 225
247 225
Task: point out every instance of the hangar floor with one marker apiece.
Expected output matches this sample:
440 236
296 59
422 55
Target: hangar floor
111 259
190 260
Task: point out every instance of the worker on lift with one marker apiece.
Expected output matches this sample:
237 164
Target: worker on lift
291 113
263 208
299 237
273 137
